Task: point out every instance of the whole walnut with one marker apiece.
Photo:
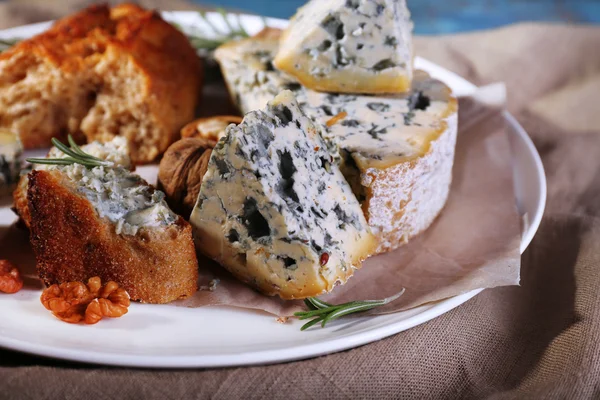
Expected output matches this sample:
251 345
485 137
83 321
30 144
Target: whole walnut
210 128
181 170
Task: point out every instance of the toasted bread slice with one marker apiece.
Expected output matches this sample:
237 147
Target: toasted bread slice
116 151
72 243
100 73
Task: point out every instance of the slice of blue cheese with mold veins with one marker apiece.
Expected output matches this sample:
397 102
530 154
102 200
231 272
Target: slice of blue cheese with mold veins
396 151
349 46
275 210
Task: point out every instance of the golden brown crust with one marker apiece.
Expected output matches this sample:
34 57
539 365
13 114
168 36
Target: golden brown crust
130 67
158 265
20 205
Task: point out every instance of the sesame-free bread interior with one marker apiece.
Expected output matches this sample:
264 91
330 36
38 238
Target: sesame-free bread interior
100 73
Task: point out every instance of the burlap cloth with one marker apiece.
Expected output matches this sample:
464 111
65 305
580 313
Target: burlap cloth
540 340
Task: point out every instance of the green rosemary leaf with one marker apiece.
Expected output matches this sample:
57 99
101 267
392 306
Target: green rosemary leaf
75 155
224 16
310 305
205 44
313 313
318 303
49 161
324 312
63 148
340 312
233 30
209 23
5 44
75 147
241 29
310 323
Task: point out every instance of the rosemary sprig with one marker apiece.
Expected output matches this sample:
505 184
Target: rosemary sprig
75 155
6 43
202 40
324 312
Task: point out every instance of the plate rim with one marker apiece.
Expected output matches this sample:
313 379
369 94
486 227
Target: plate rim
303 351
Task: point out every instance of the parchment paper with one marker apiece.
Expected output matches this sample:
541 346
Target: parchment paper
474 243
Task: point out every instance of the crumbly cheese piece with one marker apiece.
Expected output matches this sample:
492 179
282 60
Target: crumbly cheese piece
249 72
10 165
396 151
116 193
274 208
349 46
115 151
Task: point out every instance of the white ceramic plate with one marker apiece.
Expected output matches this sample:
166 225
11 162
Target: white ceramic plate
169 337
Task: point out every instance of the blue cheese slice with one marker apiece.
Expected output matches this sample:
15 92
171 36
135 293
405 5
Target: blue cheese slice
10 165
275 210
397 151
349 46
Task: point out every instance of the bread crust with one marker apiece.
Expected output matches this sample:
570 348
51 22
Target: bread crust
99 73
20 204
158 265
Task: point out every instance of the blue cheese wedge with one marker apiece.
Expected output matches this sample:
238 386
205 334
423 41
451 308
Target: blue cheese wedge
397 151
10 165
349 46
275 210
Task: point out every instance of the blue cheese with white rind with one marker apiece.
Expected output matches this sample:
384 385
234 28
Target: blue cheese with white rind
349 46
397 151
274 208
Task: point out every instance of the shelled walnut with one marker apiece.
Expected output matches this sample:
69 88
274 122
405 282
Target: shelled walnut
181 170
186 161
210 129
74 302
10 278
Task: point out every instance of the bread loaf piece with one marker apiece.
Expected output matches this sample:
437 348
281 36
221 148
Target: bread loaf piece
108 222
275 210
349 46
115 151
396 151
101 73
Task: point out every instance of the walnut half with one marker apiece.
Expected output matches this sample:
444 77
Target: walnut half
211 128
10 278
184 163
180 173
74 302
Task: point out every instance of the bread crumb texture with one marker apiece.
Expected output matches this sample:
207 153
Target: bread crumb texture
101 73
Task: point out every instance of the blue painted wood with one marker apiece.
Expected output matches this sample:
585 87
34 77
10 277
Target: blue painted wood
448 16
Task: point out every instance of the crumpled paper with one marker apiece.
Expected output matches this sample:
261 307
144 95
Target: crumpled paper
474 243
